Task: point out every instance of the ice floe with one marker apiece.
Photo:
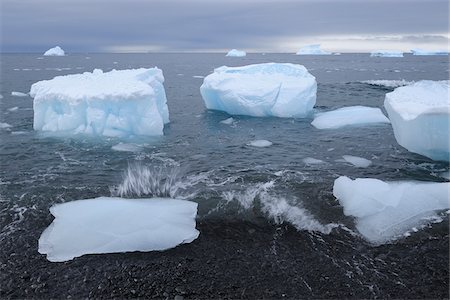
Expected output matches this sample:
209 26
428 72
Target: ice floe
420 117
18 94
352 115
357 161
261 90
260 143
110 225
116 103
384 211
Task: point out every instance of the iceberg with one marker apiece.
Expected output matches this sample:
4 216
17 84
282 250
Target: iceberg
386 53
420 117
261 90
236 53
312 50
114 104
384 211
56 51
111 225
429 52
352 115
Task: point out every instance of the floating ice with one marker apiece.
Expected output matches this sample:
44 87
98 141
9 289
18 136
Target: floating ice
312 161
352 115
420 116
358 162
386 53
312 50
236 53
18 94
127 147
4 125
110 225
56 51
388 83
228 121
428 52
1 96
15 108
260 143
386 210
117 103
198 76
261 90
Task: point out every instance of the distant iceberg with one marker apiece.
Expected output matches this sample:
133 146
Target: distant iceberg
428 52
312 50
56 51
261 90
420 116
385 211
115 104
236 53
111 225
386 53
352 115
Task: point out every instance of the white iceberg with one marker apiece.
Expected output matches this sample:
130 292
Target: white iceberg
111 225
312 50
56 51
386 53
420 117
357 161
236 53
260 143
261 90
117 103
385 211
352 115
428 52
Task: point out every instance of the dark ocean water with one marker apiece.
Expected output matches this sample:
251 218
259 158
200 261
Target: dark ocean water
202 160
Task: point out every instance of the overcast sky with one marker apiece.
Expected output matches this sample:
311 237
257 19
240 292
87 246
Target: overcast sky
219 25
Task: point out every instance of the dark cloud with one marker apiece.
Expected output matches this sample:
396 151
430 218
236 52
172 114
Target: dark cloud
180 25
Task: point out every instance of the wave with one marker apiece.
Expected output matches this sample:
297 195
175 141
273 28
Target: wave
388 83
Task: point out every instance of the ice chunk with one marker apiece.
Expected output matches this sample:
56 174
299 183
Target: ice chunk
352 115
260 143
110 225
312 50
388 83
127 147
4 125
358 162
428 52
420 116
117 103
386 210
15 108
236 53
312 161
228 121
18 94
56 51
261 90
386 53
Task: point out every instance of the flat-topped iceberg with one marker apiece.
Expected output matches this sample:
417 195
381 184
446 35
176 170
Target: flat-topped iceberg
386 53
352 115
56 51
261 90
420 117
236 53
116 104
428 52
312 50
385 211
111 225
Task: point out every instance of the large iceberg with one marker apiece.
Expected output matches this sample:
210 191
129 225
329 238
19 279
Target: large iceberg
312 50
56 51
386 53
236 53
352 115
428 52
386 210
111 225
420 117
117 103
260 90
